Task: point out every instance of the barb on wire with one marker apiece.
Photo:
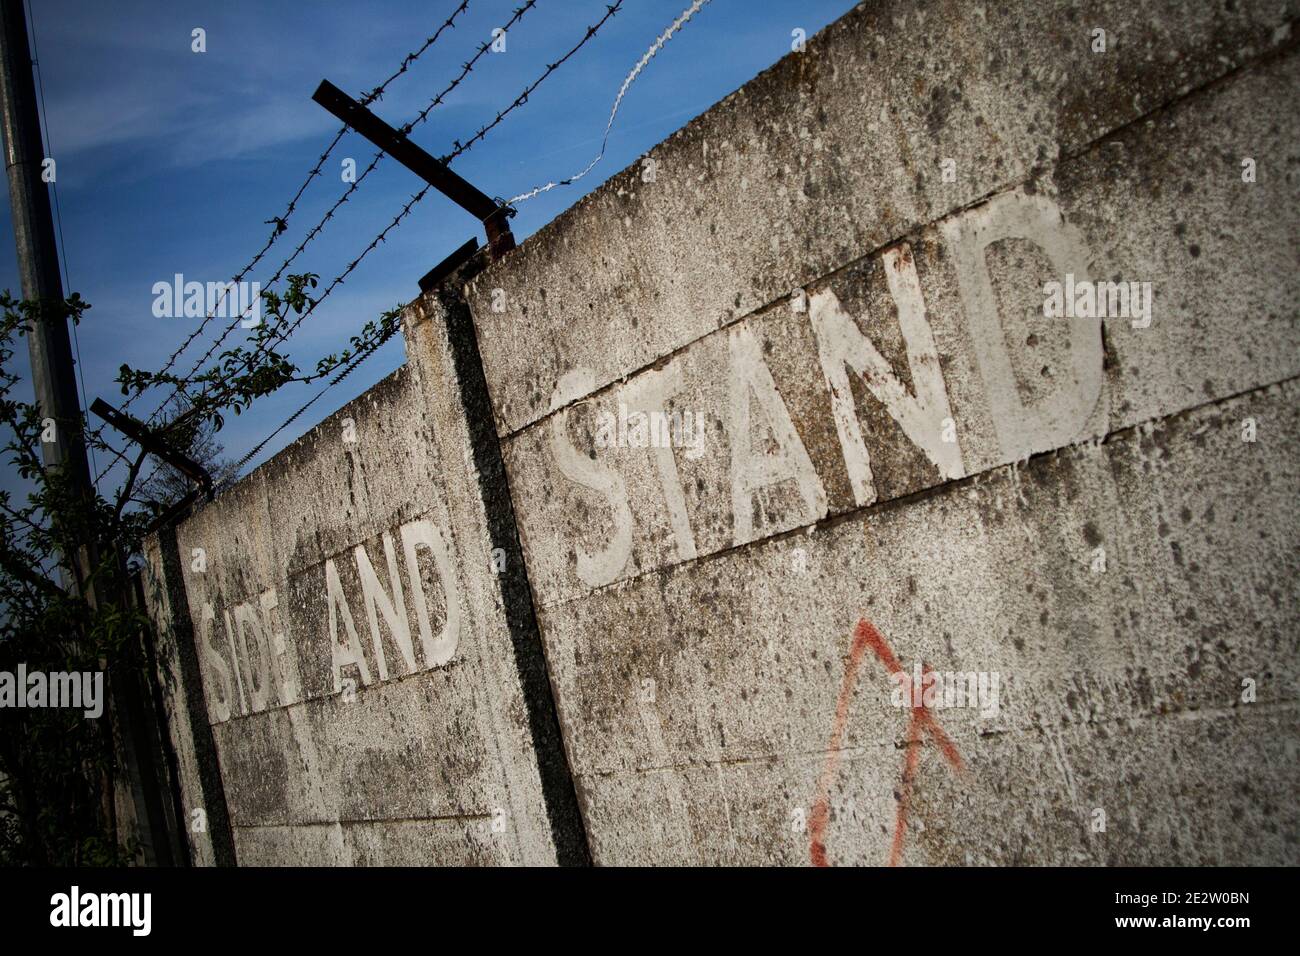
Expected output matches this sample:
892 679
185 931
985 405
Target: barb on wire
460 148
646 57
378 91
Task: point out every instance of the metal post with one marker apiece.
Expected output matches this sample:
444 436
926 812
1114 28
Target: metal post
434 172
38 259
53 378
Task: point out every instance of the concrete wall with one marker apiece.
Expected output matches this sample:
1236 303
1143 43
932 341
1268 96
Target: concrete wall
886 457
360 668
911 443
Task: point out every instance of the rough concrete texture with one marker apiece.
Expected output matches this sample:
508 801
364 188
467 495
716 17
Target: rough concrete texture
1148 204
789 435
702 699
1084 508
829 155
340 707
205 827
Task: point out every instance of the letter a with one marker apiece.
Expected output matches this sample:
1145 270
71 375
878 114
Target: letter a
841 345
751 472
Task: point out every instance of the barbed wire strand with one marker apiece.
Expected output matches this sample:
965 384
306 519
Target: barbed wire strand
458 149
360 357
281 222
347 194
649 55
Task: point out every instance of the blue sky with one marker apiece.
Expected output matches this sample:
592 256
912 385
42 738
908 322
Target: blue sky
169 161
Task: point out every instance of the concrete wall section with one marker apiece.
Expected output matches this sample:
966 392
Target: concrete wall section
349 638
932 358
904 460
829 155
702 701
204 813
750 516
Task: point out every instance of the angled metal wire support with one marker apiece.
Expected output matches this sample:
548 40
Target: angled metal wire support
143 436
492 214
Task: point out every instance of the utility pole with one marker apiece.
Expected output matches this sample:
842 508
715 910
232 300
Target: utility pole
54 382
38 260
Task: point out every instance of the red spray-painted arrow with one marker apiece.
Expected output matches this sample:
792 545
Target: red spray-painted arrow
921 722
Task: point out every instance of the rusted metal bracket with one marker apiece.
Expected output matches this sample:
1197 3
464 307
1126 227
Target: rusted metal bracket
175 512
482 207
139 433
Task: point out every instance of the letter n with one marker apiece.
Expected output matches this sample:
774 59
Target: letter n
393 609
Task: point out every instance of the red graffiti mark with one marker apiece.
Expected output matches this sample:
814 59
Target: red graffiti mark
921 722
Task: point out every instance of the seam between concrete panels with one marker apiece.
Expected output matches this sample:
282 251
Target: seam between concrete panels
377 686
488 718
1119 434
1209 87
816 757
559 793
366 821
206 754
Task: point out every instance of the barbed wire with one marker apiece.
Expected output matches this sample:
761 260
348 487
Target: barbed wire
281 336
646 57
337 281
437 100
522 98
281 222
362 354
378 92
458 149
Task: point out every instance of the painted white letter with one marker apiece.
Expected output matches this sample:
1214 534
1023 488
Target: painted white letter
606 565
841 345
790 462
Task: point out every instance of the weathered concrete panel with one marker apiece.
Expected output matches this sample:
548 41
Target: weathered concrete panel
350 635
667 681
754 521
441 338
320 845
1023 800
394 843
830 154
201 808
397 751
933 358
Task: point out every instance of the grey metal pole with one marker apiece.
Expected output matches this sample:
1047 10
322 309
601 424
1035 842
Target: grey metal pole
53 375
